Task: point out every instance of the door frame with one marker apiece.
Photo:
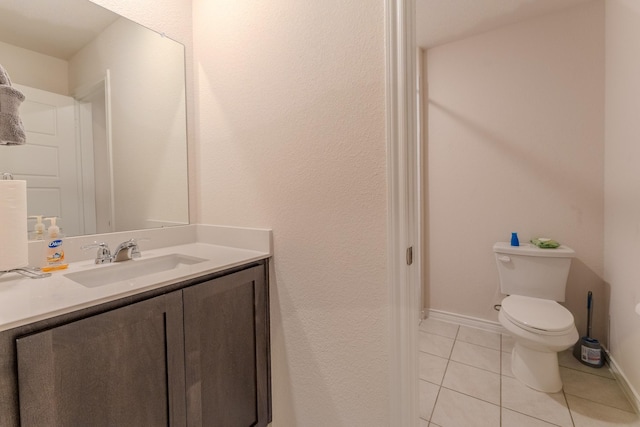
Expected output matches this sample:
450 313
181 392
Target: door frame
95 219
404 210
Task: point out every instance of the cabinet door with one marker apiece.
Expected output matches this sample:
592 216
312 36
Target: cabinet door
226 345
124 367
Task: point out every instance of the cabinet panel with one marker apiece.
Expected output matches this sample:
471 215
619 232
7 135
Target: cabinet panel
226 345
121 367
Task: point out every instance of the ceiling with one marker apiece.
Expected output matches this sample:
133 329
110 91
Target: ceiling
31 24
52 27
443 21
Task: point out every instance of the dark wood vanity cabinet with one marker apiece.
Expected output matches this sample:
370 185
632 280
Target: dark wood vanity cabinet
195 355
122 367
227 367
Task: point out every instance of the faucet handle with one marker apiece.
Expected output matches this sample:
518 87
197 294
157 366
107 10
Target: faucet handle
135 250
104 254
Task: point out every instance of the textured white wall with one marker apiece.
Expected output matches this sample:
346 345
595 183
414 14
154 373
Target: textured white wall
34 69
622 183
516 127
292 137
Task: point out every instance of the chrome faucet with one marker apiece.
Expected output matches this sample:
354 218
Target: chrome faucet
125 251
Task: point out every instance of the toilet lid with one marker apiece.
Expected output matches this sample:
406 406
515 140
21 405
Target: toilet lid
537 315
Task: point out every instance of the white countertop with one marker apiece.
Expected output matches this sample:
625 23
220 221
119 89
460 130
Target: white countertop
24 300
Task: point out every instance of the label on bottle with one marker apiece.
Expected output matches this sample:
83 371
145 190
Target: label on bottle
55 253
55 243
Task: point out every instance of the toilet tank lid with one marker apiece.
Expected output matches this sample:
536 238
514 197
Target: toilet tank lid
529 249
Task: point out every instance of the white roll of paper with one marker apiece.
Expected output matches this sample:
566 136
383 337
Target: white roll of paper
14 248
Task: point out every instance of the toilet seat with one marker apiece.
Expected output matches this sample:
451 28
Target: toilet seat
540 316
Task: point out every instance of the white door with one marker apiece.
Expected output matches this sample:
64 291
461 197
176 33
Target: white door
48 161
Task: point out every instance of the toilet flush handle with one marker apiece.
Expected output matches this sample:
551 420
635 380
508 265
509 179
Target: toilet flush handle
504 258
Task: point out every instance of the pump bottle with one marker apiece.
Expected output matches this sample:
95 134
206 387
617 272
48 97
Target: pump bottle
55 252
38 229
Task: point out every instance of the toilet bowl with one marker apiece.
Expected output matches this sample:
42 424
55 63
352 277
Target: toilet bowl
540 328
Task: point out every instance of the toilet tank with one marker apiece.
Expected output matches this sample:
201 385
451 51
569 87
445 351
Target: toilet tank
530 271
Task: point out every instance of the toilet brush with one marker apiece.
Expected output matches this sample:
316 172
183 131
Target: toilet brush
588 350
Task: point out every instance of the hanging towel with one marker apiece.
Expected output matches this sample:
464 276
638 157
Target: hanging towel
11 128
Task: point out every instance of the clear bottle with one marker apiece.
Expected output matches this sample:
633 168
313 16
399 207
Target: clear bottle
55 252
38 228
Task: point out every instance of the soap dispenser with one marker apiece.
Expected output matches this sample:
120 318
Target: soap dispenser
38 228
55 252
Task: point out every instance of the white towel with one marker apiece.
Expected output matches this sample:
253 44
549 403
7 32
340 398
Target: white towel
11 128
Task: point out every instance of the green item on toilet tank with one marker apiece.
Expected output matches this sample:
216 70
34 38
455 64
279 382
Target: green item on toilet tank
545 243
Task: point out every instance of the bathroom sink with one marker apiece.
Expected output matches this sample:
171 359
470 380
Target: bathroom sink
133 269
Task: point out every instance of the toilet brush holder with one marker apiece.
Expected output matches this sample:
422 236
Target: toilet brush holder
588 350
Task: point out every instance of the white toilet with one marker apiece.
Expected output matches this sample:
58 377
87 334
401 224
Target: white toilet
535 279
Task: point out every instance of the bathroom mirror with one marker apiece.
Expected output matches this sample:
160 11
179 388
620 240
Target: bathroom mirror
104 114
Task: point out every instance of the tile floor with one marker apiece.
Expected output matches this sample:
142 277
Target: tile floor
466 381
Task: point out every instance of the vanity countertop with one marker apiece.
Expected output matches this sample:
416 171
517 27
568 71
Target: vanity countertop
24 300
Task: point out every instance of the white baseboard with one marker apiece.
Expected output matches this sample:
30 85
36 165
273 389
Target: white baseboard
461 319
627 388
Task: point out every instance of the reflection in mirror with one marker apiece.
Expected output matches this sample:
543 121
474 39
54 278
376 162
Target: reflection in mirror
104 115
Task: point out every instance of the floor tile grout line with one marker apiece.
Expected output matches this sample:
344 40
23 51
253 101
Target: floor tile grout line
433 410
499 406
431 354
588 373
435 403
451 339
479 345
614 380
485 346
462 339
594 401
532 416
473 366
566 401
436 334
471 396
454 344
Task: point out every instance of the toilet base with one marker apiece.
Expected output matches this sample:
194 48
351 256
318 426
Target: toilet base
537 369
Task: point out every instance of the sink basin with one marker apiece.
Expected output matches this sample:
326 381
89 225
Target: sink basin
128 270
